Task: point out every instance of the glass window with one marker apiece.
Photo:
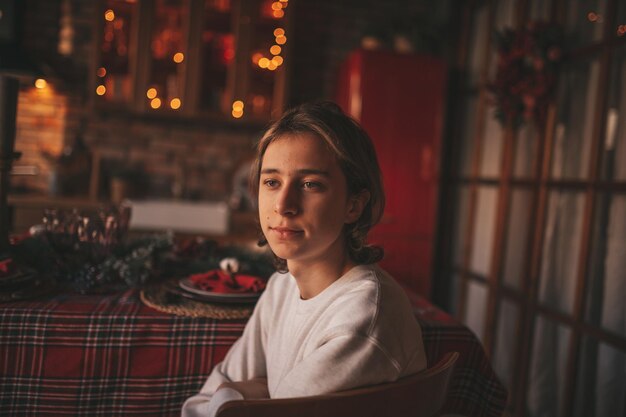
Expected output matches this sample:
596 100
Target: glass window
467 136
526 151
607 286
480 36
484 229
615 129
572 136
506 341
476 308
114 81
217 55
491 150
168 50
561 250
547 369
460 224
519 230
268 43
584 21
601 381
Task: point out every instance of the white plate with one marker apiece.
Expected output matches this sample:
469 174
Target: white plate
187 285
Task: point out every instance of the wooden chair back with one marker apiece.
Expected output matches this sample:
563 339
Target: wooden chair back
419 395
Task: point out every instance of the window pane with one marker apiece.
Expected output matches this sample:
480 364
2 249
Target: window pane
168 50
113 71
476 308
526 150
467 136
585 20
217 54
506 342
561 247
615 134
547 369
491 146
601 382
519 230
476 53
607 286
576 106
460 225
484 228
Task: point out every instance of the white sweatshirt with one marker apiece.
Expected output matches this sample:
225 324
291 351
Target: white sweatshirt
359 331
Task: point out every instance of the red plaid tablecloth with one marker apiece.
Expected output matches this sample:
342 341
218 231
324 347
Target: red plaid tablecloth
113 356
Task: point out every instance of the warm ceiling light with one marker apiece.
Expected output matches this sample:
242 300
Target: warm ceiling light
109 15
178 57
279 32
101 72
275 49
281 40
101 90
151 93
175 103
40 83
155 103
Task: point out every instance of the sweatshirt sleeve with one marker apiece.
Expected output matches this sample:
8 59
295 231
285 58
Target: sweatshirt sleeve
245 360
344 362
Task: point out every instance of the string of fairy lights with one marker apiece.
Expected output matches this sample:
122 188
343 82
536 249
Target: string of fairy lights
269 60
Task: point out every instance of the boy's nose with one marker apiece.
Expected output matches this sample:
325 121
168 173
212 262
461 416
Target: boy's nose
287 202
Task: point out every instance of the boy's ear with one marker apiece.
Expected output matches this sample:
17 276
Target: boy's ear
356 205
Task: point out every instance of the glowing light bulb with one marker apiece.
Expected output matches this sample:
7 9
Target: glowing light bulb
40 83
279 32
109 15
275 49
276 6
175 103
278 14
237 113
155 103
101 72
101 90
238 105
151 93
264 62
272 66
277 60
281 40
178 57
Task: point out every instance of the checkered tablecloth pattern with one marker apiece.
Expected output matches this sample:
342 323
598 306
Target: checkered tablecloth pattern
113 356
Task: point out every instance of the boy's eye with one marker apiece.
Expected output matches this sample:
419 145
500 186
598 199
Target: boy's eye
311 185
270 183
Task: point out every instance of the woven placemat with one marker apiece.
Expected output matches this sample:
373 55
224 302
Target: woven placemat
160 299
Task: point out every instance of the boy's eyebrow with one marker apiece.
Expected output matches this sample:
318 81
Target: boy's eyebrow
305 171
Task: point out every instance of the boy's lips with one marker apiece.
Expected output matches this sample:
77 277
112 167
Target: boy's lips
285 232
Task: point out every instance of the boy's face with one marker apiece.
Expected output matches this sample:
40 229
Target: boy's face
303 199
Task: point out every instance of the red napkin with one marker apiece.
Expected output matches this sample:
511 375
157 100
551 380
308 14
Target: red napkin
218 281
6 266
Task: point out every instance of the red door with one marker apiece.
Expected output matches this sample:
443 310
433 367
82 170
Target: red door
399 100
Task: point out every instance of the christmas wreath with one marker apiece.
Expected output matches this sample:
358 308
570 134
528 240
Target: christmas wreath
526 72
